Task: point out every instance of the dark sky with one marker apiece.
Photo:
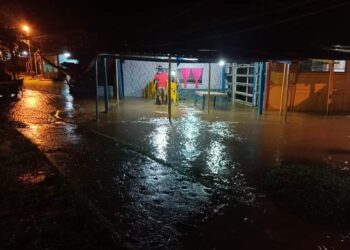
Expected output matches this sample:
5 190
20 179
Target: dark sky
233 27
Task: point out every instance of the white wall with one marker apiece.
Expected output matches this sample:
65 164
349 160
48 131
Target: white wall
138 73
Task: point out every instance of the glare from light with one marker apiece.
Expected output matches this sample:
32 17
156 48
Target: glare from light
173 73
67 54
222 63
26 28
24 53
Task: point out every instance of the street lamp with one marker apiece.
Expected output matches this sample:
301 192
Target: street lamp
26 29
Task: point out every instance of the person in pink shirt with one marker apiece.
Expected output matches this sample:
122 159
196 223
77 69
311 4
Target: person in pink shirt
161 80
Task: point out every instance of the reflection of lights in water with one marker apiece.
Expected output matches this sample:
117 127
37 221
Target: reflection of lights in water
216 157
31 100
34 130
221 129
69 103
32 178
37 133
190 131
159 140
43 133
72 136
224 130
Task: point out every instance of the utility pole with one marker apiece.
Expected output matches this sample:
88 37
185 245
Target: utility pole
30 56
27 30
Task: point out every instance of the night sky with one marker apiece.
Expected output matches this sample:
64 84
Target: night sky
270 28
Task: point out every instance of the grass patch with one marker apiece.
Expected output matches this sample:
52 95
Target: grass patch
317 193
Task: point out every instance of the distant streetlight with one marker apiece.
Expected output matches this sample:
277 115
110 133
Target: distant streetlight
26 29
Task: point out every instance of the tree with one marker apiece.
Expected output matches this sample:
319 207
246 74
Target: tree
9 44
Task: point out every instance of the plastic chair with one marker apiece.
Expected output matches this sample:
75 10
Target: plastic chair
150 90
174 96
153 90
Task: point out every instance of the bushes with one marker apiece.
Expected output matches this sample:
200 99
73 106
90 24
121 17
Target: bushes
317 193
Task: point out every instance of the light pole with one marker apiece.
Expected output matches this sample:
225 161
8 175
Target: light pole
27 30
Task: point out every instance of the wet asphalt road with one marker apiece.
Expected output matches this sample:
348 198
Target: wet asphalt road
191 184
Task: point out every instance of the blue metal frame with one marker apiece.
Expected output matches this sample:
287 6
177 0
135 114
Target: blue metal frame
223 77
106 86
261 87
120 80
255 82
266 86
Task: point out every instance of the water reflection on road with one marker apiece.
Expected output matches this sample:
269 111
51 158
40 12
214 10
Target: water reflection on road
45 117
190 141
159 140
216 159
210 160
189 128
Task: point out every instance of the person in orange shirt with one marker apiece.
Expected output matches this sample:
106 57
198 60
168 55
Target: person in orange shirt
161 80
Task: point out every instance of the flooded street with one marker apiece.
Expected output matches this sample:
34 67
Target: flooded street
192 183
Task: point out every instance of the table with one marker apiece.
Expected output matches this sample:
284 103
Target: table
212 94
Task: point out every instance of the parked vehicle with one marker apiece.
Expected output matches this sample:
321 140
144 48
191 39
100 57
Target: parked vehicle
10 89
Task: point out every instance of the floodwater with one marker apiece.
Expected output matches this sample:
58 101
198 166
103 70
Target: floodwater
191 183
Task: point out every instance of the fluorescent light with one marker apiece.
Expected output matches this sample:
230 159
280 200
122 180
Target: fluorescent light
207 50
190 59
222 63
